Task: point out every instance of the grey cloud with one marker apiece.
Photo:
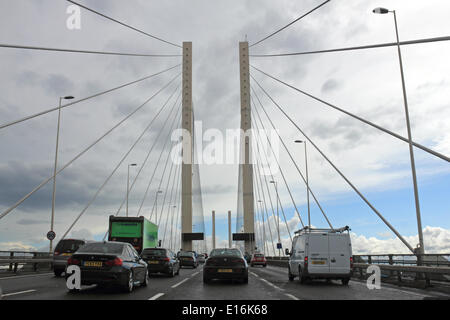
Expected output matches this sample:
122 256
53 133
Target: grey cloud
329 85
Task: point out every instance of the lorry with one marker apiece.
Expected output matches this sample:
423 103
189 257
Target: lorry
138 231
321 254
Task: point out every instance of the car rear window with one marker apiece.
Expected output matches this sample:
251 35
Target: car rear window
154 252
259 255
225 252
186 254
68 246
101 247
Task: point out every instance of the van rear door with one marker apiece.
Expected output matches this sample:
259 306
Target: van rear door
339 245
318 261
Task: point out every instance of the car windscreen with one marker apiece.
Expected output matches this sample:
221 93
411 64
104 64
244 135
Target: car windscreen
154 252
68 246
101 247
225 252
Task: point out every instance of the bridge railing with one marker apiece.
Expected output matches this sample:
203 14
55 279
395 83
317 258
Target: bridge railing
14 261
405 269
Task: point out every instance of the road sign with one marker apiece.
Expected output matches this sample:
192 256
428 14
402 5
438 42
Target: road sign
51 235
279 246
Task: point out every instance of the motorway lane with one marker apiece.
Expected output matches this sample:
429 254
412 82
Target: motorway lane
49 287
269 283
277 279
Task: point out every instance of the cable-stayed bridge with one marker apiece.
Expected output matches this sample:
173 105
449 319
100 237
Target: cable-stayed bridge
172 196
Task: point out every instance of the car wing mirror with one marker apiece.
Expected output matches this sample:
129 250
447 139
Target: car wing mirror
287 252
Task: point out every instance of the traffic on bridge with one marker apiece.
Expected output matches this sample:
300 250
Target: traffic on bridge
216 157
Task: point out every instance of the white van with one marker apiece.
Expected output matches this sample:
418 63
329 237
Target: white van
321 253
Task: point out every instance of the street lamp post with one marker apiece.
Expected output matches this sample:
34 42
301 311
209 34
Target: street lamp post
278 219
54 168
307 182
408 126
156 206
128 181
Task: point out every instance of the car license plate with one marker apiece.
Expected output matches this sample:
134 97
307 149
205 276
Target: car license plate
92 263
318 262
153 262
66 254
225 270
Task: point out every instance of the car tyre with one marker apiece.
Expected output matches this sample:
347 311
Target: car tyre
245 280
129 286
345 281
172 273
264 265
252 265
58 272
206 280
145 282
301 277
290 275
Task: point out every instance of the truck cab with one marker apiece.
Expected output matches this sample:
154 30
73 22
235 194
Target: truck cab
320 254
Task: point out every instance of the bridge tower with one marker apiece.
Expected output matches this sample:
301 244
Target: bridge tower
186 167
245 159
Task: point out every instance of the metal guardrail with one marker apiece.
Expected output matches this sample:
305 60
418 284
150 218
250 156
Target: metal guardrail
12 260
427 269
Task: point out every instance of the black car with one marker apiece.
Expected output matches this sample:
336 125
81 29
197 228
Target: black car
110 263
187 258
225 263
160 260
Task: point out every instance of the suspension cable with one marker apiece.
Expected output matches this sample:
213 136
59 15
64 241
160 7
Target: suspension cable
4 213
258 141
437 154
123 24
292 158
341 174
170 203
372 46
115 169
84 99
17 46
289 24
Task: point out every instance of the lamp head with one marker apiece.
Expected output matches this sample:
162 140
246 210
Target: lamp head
380 10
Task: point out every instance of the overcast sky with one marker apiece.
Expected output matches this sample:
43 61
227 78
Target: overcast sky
364 82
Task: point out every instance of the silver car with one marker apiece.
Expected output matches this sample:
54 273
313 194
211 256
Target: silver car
63 251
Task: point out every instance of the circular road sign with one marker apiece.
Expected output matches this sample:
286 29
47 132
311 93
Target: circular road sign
51 235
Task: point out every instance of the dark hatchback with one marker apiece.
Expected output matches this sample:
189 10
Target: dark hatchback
110 264
225 264
160 260
188 259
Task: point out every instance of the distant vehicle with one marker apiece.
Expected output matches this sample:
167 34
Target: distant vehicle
63 251
110 264
137 231
160 260
248 257
258 259
201 258
321 253
225 263
187 258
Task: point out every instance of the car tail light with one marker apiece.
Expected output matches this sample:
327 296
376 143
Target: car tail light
351 262
115 262
306 262
166 259
71 261
56 253
238 261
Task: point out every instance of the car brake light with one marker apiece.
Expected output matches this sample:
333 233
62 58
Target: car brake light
306 262
71 261
238 261
115 262
166 259
351 262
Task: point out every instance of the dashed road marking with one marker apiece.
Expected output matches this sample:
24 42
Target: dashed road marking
16 293
183 281
156 296
291 296
271 284
195 273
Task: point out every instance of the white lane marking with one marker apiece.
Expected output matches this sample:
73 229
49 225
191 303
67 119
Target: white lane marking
252 273
271 284
15 293
291 296
195 273
176 285
26 276
156 296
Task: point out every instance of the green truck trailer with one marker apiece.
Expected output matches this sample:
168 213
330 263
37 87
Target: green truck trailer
137 231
